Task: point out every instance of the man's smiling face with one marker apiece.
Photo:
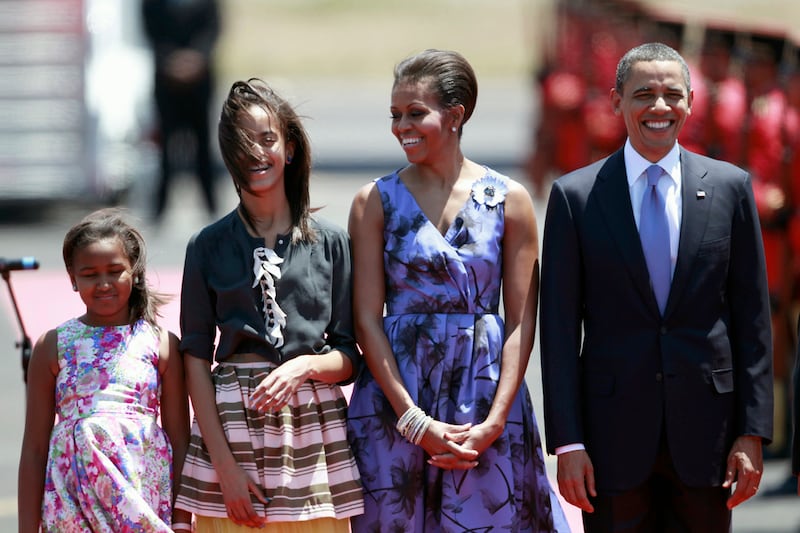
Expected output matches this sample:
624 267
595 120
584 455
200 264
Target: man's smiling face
654 102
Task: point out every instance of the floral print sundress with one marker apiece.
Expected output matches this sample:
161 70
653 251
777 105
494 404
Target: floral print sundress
109 466
442 299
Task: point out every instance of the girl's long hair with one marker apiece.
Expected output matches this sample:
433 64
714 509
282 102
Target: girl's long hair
237 146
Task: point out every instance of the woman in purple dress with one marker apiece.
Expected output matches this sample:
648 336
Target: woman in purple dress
442 428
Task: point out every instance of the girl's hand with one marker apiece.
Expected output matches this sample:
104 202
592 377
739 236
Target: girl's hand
275 391
449 453
236 488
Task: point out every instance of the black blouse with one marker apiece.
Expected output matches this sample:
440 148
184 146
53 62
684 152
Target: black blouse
314 290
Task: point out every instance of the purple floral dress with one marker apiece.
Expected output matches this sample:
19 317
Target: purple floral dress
442 299
110 462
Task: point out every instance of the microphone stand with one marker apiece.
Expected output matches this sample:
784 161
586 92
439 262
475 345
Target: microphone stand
25 342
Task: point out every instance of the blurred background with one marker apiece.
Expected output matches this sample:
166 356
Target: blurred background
113 102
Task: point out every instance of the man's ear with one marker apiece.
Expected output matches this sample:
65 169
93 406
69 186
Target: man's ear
616 102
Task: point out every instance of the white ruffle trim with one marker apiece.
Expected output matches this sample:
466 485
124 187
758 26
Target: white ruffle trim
266 270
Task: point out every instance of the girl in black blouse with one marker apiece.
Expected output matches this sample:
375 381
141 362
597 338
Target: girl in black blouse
273 285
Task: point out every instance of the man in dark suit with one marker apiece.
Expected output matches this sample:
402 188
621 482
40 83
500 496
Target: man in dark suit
656 350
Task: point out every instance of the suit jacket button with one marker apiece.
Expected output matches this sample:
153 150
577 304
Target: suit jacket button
663 330
659 377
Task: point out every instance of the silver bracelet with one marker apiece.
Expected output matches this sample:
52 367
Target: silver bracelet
414 424
181 525
407 420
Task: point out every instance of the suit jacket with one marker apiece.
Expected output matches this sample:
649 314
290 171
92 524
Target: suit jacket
619 377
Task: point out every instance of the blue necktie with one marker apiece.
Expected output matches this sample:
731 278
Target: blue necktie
654 234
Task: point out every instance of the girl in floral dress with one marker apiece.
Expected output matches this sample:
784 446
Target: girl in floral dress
94 457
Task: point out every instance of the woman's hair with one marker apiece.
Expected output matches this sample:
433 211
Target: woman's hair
110 223
450 75
237 146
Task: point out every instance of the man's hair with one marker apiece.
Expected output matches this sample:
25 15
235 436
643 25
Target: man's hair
649 52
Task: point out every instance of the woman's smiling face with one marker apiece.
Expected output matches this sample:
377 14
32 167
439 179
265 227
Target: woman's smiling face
419 122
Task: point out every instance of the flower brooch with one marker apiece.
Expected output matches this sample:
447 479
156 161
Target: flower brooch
489 191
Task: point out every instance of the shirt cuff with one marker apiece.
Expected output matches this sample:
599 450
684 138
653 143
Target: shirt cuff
570 448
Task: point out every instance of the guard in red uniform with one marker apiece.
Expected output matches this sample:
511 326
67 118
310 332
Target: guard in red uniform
764 147
727 96
560 141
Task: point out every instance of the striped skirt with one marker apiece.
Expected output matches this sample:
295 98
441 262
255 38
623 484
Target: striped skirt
299 456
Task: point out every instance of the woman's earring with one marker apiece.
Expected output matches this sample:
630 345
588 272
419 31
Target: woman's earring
74 287
136 280
288 160
454 129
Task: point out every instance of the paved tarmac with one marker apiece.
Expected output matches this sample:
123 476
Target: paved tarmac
349 128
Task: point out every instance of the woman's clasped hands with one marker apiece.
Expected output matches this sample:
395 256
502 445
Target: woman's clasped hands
457 447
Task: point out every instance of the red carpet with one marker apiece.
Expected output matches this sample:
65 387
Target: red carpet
45 299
